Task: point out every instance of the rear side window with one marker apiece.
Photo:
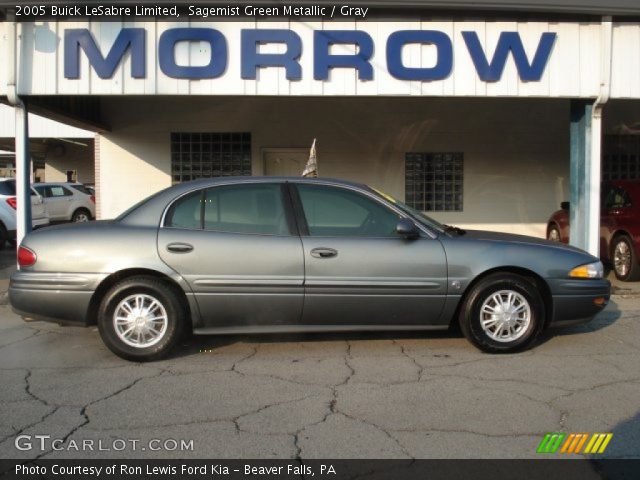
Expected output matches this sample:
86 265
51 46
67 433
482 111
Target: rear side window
253 208
8 187
250 208
186 212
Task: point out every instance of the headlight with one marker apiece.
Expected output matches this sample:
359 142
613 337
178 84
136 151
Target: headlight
590 270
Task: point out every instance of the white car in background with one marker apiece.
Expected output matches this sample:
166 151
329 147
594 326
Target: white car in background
8 203
67 202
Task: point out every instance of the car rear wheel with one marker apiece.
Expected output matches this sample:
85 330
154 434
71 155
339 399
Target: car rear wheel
625 263
502 313
4 236
141 318
81 215
554 233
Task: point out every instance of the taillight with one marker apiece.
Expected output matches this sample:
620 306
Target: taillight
26 257
93 198
13 202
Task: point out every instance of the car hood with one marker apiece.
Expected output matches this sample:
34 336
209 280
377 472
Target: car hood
510 237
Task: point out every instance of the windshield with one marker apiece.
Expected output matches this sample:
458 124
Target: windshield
412 212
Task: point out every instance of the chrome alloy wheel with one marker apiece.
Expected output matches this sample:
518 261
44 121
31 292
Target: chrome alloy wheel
505 316
622 258
81 217
140 320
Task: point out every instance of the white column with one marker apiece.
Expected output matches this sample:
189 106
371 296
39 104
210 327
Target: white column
593 178
23 174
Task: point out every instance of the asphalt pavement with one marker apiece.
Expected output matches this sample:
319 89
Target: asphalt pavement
383 395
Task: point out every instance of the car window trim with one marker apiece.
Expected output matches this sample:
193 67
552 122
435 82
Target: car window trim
300 210
289 209
283 199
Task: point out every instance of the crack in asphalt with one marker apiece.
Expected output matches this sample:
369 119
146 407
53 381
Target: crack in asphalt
27 389
83 410
34 333
412 359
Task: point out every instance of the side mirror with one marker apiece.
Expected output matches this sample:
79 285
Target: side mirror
564 205
407 229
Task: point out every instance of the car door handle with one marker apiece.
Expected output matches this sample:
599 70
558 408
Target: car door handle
179 247
324 252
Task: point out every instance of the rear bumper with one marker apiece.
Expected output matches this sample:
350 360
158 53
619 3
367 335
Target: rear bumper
61 298
578 301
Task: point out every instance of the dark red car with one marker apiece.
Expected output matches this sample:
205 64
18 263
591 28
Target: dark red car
619 227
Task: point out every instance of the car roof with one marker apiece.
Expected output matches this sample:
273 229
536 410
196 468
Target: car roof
40 184
265 179
183 187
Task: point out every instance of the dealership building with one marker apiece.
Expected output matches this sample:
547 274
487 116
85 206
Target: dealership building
483 117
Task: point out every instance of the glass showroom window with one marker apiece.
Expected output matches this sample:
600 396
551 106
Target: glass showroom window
621 157
433 181
205 155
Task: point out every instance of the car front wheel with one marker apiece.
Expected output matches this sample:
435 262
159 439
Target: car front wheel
625 263
502 313
81 215
141 319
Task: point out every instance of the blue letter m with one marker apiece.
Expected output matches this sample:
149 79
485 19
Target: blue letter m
81 38
510 42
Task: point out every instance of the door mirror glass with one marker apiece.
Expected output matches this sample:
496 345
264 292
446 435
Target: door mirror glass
407 228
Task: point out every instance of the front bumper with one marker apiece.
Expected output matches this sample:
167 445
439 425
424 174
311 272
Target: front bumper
55 297
577 301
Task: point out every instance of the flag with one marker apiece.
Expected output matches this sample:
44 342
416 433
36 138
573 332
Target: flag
311 169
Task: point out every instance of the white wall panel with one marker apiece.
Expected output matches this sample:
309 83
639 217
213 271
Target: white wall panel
4 59
565 57
625 62
589 50
39 127
573 69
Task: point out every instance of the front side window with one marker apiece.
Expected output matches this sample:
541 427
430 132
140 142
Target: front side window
333 211
249 208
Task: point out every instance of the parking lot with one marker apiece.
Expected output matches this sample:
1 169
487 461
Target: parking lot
384 395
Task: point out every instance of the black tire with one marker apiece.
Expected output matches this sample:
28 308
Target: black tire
553 233
150 287
81 215
631 270
4 236
470 318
